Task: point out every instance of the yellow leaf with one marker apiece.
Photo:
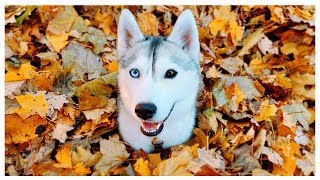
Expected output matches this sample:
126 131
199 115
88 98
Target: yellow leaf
174 166
113 67
250 41
26 71
114 154
57 41
43 82
141 167
201 137
154 160
64 157
31 105
148 23
85 156
18 130
265 111
216 25
81 170
256 65
288 168
225 21
236 31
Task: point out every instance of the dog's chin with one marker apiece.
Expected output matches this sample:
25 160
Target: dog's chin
151 128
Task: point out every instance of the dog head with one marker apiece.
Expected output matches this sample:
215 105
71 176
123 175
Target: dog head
157 72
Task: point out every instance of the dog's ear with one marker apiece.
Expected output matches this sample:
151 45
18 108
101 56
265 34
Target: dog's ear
128 32
185 34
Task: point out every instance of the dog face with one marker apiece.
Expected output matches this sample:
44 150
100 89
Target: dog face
157 72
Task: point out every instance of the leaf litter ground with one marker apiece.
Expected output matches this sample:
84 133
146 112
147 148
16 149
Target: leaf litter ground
256 108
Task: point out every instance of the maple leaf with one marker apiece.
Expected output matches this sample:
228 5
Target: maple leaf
244 159
266 46
114 153
60 132
295 112
210 158
232 64
307 163
26 71
82 60
96 37
13 87
148 23
250 41
79 26
20 130
141 167
225 21
273 156
31 105
95 114
85 156
58 41
174 165
64 157
63 20
265 111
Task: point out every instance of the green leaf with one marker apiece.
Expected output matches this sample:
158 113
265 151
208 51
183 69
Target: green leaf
25 15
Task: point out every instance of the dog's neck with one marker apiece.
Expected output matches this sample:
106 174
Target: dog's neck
177 128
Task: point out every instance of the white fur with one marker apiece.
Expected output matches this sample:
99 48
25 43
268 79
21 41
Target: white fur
182 91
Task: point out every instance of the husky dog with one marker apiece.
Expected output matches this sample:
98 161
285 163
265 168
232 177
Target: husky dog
159 81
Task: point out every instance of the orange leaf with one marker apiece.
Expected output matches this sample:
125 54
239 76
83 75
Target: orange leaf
20 130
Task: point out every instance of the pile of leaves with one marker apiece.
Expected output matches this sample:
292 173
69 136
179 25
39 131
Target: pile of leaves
256 108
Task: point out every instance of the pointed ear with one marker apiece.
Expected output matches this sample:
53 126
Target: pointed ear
128 32
185 34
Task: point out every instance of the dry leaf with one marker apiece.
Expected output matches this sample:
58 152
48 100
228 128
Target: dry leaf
60 132
31 105
20 130
114 153
26 71
141 167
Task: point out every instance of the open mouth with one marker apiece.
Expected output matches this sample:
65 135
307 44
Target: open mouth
151 129
154 128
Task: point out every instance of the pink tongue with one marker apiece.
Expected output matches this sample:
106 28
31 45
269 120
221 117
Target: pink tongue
150 126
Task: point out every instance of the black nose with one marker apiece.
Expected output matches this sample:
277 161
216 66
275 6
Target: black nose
145 110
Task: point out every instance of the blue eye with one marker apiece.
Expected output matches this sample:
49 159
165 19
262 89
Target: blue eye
134 73
170 74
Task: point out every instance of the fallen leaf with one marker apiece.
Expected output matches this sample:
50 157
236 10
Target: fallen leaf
26 71
82 61
245 160
295 112
266 46
148 23
251 40
174 165
63 20
84 156
60 132
114 153
96 37
64 157
58 41
20 130
273 156
79 26
265 111
307 163
232 64
13 88
31 105
141 167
